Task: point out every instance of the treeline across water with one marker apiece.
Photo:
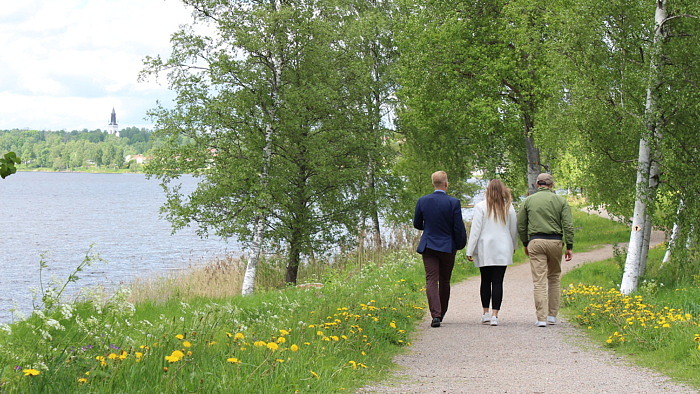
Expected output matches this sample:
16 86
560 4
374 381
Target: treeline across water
77 150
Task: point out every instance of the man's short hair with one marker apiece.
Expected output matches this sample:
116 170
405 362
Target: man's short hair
545 179
439 179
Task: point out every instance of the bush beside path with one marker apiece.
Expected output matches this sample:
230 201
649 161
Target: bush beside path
464 356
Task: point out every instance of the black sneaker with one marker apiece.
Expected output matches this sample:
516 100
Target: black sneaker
436 322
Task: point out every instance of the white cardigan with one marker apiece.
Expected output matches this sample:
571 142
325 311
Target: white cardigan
492 242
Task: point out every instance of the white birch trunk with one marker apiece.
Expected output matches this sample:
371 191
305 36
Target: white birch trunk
674 236
630 276
248 286
647 169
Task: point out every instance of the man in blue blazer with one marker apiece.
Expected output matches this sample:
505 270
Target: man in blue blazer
440 218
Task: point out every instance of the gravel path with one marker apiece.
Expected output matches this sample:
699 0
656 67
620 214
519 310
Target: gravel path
464 356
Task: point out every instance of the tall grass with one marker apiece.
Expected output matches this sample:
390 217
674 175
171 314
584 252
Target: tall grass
312 340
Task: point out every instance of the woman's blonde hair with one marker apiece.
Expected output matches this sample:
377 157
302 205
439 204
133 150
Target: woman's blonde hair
498 200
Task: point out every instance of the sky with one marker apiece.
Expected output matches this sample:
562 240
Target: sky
64 64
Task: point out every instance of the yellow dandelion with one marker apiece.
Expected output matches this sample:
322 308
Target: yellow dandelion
239 336
279 360
112 356
314 374
30 372
186 344
281 340
101 359
233 360
319 333
284 332
180 336
392 324
228 334
260 343
272 346
212 343
294 348
82 380
335 338
175 356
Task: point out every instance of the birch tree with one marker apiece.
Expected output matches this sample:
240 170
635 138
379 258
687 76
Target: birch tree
264 115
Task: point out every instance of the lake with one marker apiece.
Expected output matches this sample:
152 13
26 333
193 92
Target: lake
61 214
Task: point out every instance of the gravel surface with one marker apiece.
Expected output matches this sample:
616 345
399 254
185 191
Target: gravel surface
464 356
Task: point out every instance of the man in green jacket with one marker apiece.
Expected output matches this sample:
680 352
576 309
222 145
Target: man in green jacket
544 224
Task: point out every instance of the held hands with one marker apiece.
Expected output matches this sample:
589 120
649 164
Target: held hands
470 258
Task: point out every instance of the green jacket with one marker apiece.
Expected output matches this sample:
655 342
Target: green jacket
545 214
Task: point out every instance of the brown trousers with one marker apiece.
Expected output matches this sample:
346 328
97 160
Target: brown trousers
438 272
545 264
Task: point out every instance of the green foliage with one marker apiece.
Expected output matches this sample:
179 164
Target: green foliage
7 164
276 122
76 150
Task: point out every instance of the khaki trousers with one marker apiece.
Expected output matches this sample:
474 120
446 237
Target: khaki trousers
545 263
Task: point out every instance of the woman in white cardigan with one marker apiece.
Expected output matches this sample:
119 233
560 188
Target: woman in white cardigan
492 242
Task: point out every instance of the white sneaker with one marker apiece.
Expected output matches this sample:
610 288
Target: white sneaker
541 324
494 320
551 320
485 318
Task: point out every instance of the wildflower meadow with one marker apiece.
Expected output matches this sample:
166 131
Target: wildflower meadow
314 339
658 326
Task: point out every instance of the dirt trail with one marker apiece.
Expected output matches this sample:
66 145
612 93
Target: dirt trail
464 356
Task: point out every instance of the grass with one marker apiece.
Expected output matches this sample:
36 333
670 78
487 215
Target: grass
307 340
657 326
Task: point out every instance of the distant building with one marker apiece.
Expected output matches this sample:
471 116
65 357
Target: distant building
113 127
139 159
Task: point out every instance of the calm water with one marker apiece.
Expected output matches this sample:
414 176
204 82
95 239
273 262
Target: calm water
62 214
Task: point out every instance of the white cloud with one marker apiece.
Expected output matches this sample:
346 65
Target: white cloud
66 63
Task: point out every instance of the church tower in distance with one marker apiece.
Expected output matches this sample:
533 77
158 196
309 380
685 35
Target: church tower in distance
113 127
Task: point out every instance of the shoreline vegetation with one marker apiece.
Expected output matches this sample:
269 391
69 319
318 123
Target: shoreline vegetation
194 332
86 170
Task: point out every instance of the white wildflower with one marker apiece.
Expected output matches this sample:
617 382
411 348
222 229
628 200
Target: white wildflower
51 323
66 311
6 328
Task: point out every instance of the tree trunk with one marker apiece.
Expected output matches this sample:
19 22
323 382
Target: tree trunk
630 276
260 221
252 265
674 236
647 168
533 158
294 259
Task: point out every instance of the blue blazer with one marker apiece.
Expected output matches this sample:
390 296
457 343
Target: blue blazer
440 218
